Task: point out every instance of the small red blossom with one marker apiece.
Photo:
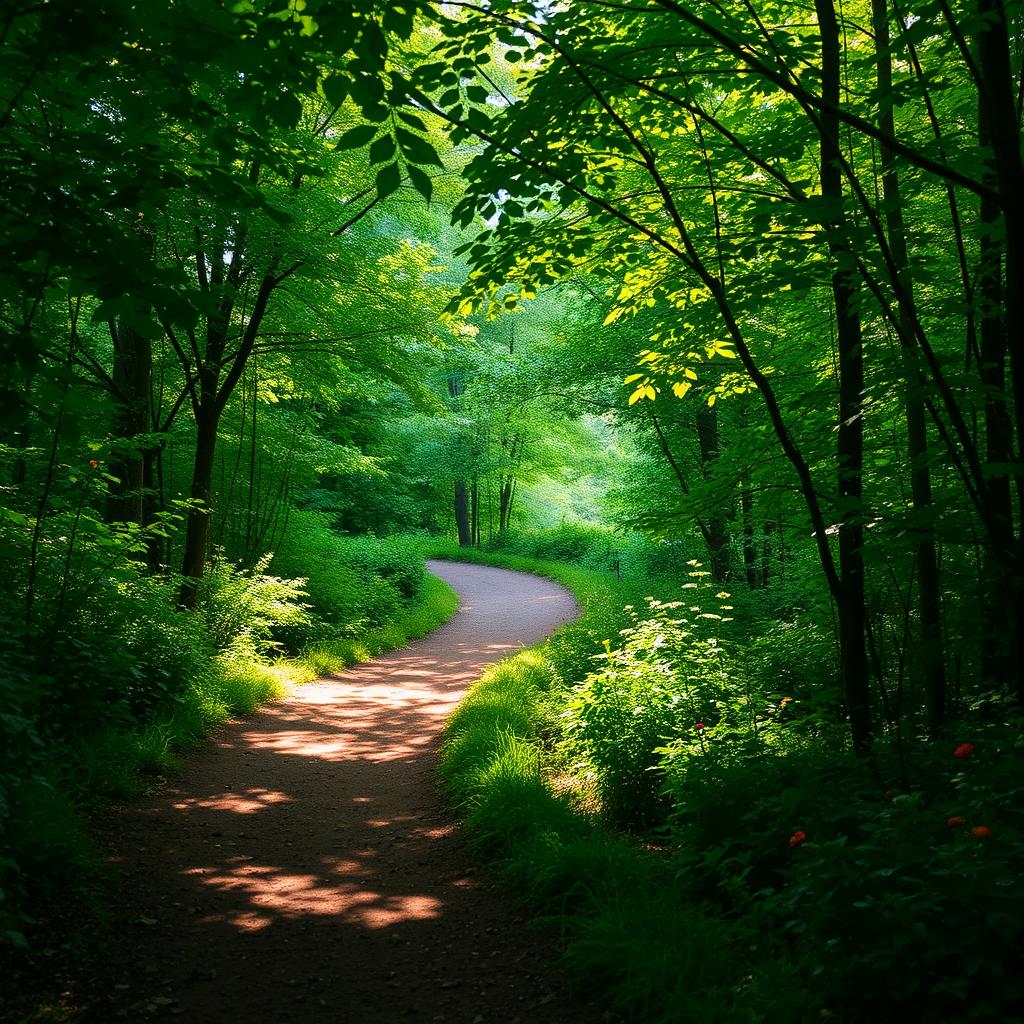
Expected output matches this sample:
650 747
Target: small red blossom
889 794
785 701
797 838
699 726
964 750
956 819
981 831
93 463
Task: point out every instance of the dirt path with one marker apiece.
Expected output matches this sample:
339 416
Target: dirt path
304 867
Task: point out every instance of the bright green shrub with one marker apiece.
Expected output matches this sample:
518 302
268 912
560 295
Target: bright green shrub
243 607
667 678
352 583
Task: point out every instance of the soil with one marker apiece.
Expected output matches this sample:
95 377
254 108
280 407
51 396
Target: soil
304 867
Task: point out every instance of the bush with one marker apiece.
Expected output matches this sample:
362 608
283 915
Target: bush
353 583
667 679
790 881
242 608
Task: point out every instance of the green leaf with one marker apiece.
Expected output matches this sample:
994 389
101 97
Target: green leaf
389 178
357 137
14 517
335 89
412 120
383 149
285 111
416 149
421 181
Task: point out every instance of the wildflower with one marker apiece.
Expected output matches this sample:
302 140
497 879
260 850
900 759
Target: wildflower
981 831
956 819
797 838
889 794
785 701
699 726
964 750
93 463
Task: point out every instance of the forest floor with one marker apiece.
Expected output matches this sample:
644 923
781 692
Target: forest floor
304 866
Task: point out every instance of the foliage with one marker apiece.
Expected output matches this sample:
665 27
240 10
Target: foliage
738 284
242 607
666 677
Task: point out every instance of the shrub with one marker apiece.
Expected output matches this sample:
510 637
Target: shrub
668 678
243 607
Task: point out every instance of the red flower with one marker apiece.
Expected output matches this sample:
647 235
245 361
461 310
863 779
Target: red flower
699 726
956 819
889 794
964 750
981 831
93 463
797 838
785 701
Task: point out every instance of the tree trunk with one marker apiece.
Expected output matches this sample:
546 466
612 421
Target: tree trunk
932 652
462 514
749 549
997 98
505 502
850 445
197 524
474 512
716 532
132 375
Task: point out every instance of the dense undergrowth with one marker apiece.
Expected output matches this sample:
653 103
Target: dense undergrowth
670 779
130 681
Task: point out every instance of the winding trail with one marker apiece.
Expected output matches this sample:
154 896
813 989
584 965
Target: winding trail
304 867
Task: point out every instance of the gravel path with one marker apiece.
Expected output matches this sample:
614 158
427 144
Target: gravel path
305 869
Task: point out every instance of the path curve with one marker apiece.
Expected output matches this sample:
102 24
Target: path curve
304 867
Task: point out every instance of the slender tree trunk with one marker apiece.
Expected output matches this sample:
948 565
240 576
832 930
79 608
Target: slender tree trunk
132 375
251 499
462 514
197 524
749 548
474 512
932 654
850 446
152 504
998 557
505 502
717 527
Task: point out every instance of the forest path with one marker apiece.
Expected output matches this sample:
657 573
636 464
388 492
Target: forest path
304 867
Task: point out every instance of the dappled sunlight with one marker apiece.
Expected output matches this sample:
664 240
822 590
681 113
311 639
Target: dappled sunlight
246 801
262 894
